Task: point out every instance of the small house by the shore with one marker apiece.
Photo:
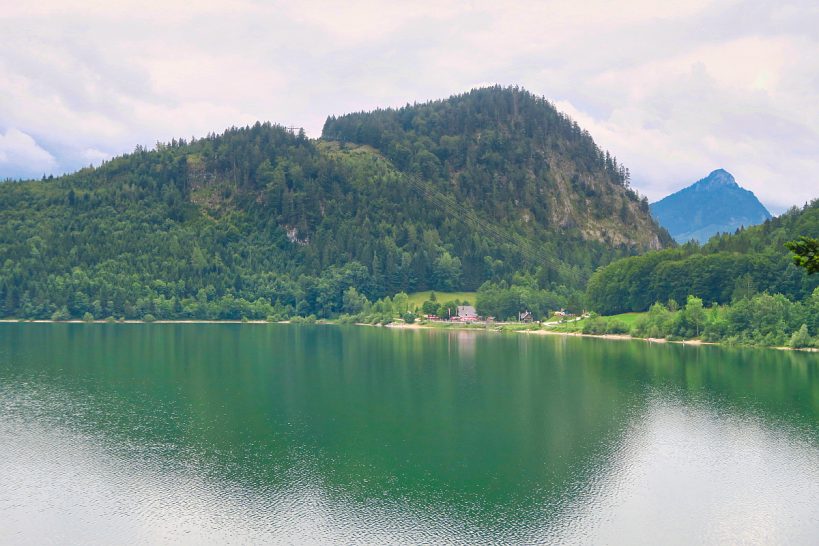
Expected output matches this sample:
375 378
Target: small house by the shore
465 313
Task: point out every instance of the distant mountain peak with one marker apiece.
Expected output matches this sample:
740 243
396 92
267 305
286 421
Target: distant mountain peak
717 178
714 204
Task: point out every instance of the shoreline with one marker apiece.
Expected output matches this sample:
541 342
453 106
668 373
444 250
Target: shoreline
691 342
417 326
135 321
627 337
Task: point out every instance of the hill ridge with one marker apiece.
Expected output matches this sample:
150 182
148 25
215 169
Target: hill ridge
262 221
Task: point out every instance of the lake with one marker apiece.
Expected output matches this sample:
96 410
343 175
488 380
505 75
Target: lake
192 433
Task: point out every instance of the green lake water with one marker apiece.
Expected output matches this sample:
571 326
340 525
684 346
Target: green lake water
205 433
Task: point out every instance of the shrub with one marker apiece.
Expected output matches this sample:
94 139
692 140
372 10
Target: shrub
88 317
617 327
61 314
800 338
348 319
429 307
594 325
148 318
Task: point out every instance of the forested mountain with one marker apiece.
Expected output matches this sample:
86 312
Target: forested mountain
259 221
511 156
727 268
715 204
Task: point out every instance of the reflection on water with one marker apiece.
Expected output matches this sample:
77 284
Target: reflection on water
699 476
466 342
251 433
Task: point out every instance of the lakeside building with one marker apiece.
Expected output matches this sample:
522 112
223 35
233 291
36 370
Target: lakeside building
465 313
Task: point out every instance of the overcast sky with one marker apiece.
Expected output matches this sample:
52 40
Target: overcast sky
673 89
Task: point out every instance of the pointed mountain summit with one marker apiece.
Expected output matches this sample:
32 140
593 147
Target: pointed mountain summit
719 178
715 204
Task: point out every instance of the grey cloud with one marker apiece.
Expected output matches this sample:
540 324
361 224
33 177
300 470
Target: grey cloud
666 89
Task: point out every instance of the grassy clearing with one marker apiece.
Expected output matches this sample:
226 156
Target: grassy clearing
577 326
627 318
574 326
416 299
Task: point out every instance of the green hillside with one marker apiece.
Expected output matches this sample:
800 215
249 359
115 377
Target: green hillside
728 267
261 222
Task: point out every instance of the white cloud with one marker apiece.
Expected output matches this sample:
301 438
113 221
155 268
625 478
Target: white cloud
741 104
673 89
20 155
94 156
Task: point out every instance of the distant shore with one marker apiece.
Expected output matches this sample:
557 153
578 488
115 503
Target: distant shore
135 321
498 328
693 342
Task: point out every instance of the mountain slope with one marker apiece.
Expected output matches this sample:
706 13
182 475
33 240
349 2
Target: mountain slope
512 156
715 204
259 221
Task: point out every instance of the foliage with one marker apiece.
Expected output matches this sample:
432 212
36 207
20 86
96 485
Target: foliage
353 302
61 314
806 253
429 307
504 301
654 324
763 319
400 303
800 338
448 309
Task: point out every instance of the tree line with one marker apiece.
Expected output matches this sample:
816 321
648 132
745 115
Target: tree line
758 319
727 268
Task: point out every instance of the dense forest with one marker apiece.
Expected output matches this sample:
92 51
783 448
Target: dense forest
730 267
262 222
